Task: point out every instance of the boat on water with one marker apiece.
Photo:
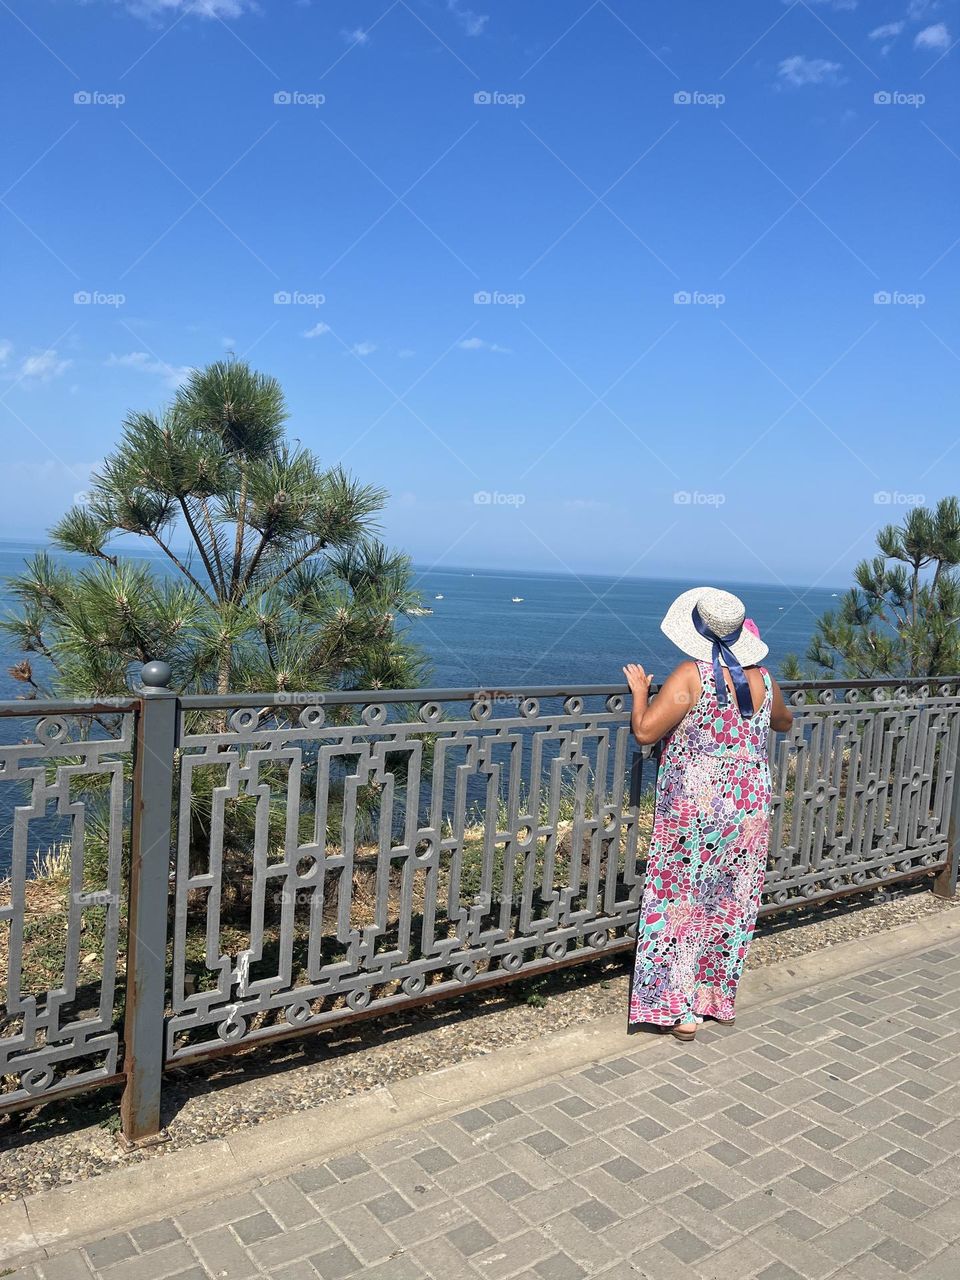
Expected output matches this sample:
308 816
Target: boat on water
516 599
418 611
438 596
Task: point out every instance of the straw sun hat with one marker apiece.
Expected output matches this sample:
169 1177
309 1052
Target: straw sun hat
723 613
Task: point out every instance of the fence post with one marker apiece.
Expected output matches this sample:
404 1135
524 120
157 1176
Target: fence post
945 882
150 844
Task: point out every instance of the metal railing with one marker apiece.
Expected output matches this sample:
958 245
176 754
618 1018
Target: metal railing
238 869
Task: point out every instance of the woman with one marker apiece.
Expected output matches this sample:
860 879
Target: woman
708 852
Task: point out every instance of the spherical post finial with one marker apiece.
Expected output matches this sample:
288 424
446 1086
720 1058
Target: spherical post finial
156 674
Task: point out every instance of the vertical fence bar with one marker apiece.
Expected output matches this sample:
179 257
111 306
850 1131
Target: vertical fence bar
945 882
151 837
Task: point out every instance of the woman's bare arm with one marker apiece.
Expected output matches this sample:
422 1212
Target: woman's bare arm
678 692
781 717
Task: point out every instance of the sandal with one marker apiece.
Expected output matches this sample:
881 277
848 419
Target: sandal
684 1031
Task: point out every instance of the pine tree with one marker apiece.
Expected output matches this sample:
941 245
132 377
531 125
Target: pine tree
283 585
900 618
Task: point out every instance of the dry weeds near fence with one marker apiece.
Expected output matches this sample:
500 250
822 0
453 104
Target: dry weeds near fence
219 872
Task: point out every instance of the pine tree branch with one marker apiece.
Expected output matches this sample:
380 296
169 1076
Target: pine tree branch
182 567
215 545
936 579
241 526
195 534
244 585
310 551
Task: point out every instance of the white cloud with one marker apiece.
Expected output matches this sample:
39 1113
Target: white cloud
143 362
917 10
43 367
472 23
228 344
6 350
799 70
405 353
357 36
935 37
888 31
478 344
318 330
202 8
363 348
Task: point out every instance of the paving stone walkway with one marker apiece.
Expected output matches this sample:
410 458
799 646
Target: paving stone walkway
818 1137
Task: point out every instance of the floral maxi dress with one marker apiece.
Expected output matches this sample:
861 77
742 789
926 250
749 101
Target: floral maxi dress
707 861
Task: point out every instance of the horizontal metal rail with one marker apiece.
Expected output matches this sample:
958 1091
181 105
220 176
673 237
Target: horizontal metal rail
308 859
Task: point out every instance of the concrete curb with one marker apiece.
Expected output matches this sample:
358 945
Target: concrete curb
50 1222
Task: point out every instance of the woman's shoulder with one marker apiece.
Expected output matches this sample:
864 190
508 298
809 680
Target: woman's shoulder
689 670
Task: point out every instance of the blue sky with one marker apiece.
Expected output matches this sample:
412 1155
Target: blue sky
719 243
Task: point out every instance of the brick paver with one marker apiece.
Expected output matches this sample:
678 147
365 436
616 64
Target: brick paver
819 1137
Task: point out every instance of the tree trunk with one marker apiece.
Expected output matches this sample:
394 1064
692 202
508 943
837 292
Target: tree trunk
224 671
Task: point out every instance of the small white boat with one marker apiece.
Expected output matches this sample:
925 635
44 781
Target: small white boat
438 597
516 599
418 612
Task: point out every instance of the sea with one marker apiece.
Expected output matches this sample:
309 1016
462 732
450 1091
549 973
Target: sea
495 629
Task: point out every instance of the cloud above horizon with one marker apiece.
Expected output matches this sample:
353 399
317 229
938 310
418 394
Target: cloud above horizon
44 366
933 37
472 23
887 31
143 362
478 344
829 4
799 70
202 8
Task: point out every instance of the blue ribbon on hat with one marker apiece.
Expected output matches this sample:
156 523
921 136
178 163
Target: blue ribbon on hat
721 647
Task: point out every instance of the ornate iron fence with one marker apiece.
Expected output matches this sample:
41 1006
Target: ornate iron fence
60 949
297 860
